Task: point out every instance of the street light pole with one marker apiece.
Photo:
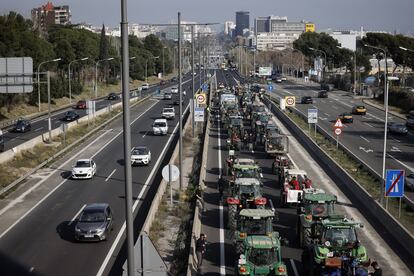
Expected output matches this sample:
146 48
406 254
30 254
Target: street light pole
96 74
193 80
181 103
384 153
38 76
69 76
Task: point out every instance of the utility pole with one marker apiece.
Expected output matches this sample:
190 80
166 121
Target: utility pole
127 140
193 79
49 119
199 57
181 104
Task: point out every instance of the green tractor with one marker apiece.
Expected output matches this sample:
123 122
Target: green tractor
316 205
253 222
244 193
245 168
235 132
261 256
335 249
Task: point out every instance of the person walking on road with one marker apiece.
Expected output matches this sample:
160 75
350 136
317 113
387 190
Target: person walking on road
377 269
200 250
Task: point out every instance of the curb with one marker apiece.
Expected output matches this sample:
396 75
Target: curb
368 102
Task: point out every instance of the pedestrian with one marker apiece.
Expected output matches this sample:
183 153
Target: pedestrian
200 250
377 269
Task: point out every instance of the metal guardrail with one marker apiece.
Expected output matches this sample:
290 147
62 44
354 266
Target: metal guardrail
367 167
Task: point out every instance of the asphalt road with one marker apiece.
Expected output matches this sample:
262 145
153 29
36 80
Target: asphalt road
220 258
41 240
365 136
40 125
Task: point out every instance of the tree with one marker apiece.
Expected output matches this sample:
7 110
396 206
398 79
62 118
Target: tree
104 51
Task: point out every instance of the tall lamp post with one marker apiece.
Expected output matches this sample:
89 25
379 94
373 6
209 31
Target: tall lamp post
384 153
69 76
324 63
163 61
96 73
146 66
38 76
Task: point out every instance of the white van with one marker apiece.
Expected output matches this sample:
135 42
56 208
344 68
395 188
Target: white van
160 127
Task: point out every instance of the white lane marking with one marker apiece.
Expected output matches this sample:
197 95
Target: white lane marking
76 215
40 128
145 134
395 149
326 114
368 124
398 141
366 150
123 227
334 107
295 270
221 231
405 165
109 176
22 196
284 90
363 138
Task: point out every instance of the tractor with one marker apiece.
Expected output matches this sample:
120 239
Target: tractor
253 222
289 194
280 163
316 205
235 132
335 249
261 256
276 144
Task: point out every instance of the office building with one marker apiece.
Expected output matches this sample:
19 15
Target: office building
229 27
242 22
47 15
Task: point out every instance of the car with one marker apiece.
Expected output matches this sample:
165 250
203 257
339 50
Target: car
323 94
70 116
409 181
94 223
306 100
160 127
397 128
168 113
22 125
174 79
284 78
140 156
81 104
167 96
174 90
177 101
359 110
346 118
145 86
84 169
112 96
278 80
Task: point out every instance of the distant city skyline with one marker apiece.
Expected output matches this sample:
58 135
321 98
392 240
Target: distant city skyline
382 15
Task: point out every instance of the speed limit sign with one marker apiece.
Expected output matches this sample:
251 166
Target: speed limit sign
201 98
338 131
290 101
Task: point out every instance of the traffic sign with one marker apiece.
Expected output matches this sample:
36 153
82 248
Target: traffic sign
290 101
200 98
270 87
199 114
204 87
338 124
394 183
170 172
338 131
312 116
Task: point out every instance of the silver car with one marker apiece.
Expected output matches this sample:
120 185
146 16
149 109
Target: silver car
409 182
397 128
94 223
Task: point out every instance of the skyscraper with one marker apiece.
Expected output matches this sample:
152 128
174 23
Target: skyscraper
242 22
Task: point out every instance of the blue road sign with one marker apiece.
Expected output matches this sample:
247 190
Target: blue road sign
270 87
204 87
394 183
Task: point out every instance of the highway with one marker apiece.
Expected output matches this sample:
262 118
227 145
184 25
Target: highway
220 258
36 234
365 136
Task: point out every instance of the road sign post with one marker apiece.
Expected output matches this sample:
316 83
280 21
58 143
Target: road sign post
290 101
338 130
170 173
312 118
394 186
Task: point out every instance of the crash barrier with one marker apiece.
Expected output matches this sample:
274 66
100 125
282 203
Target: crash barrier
58 131
393 232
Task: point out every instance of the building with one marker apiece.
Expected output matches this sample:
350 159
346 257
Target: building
141 31
171 32
261 25
242 22
48 15
229 27
347 39
274 41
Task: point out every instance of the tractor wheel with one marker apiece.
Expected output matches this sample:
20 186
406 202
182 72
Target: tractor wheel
307 236
239 248
232 216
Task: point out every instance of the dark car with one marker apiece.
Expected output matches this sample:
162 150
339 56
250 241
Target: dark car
81 104
22 125
346 118
306 100
112 96
177 101
174 79
94 223
397 128
323 94
70 116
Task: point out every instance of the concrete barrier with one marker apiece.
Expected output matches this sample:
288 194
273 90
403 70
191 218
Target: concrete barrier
393 232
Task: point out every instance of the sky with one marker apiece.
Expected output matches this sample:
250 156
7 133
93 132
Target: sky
378 15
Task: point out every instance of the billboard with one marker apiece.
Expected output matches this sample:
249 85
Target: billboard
265 71
16 75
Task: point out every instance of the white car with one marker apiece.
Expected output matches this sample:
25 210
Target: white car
174 90
84 169
140 156
145 86
160 127
284 79
167 96
409 182
168 113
